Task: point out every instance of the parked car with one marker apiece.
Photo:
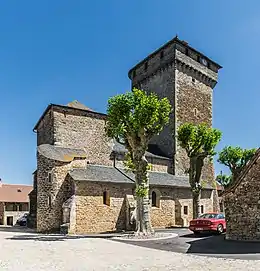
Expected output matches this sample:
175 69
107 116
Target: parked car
209 222
22 221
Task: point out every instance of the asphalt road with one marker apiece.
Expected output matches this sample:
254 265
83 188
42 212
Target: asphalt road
206 245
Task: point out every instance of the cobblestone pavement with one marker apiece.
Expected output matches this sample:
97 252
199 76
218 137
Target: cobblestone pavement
25 251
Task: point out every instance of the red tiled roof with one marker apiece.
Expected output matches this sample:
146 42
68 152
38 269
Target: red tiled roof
14 192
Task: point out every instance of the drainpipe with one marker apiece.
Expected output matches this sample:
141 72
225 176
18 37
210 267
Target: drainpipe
114 166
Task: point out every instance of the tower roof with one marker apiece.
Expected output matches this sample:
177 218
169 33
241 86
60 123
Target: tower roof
78 105
175 40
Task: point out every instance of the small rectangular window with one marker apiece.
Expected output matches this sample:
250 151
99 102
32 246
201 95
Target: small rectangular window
134 74
49 201
146 66
185 211
106 198
202 209
49 177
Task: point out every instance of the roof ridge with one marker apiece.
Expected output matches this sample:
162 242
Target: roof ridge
16 184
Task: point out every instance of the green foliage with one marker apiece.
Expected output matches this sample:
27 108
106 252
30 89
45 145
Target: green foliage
198 139
134 118
128 162
224 180
129 165
235 158
141 191
135 114
203 184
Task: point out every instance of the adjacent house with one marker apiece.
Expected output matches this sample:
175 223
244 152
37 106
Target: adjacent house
242 203
14 202
80 181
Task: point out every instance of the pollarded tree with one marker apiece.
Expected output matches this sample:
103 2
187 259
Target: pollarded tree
224 180
134 118
199 142
235 158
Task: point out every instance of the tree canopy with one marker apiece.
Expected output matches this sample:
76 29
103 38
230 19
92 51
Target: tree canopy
235 158
136 116
198 140
224 180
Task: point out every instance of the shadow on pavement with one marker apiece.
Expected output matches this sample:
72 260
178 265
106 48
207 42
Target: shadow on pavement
59 237
218 245
16 229
206 245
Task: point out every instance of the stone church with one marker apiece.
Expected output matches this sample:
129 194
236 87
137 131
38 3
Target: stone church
80 182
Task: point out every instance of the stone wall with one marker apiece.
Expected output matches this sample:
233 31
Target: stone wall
94 216
242 208
52 193
45 129
193 104
157 164
162 83
183 197
81 129
163 215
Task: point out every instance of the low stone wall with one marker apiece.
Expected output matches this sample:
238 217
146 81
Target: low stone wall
242 208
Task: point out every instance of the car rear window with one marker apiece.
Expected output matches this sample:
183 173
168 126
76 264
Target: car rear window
209 216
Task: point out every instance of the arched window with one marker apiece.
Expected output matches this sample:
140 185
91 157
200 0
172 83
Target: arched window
154 199
106 198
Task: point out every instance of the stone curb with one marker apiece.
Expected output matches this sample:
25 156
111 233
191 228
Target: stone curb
168 236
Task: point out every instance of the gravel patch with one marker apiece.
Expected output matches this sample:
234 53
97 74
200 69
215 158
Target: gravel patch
154 237
29 254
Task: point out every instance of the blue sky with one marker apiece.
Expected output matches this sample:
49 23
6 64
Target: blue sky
58 51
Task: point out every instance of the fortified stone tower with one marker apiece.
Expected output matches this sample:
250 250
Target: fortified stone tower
187 78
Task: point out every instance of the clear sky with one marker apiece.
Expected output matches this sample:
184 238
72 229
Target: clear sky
59 51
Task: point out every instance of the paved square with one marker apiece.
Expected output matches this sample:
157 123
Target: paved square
27 251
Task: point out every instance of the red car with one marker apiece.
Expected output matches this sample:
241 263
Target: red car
210 222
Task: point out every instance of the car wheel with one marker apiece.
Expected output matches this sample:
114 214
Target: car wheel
196 233
220 229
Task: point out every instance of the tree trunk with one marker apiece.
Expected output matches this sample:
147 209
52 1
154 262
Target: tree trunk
196 205
196 164
143 219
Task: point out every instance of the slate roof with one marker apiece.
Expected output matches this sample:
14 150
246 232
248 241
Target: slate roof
93 173
78 105
152 152
60 153
15 192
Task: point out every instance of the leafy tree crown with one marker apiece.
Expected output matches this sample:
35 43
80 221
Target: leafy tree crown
136 114
198 139
235 158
